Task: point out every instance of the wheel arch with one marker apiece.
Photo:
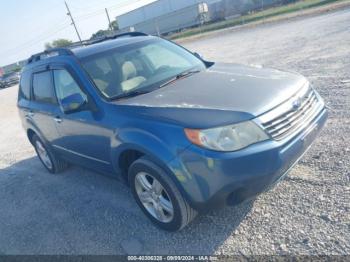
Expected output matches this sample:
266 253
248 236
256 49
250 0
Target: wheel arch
128 153
30 134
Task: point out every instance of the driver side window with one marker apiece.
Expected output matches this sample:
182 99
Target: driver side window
66 85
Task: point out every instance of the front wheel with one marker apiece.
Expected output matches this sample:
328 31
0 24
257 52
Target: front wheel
158 196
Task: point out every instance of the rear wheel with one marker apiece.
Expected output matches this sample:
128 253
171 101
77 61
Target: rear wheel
51 161
158 196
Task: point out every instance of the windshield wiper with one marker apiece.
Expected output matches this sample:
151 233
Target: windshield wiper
179 76
131 94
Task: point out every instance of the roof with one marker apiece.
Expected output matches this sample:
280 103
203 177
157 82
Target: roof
84 51
88 48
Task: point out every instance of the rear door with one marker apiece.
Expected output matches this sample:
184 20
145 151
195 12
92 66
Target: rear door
44 105
24 96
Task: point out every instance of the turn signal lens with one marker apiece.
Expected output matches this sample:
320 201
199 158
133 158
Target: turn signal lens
193 135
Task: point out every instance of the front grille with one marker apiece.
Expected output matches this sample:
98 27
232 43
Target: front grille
292 115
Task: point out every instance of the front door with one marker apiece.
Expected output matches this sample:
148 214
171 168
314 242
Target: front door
82 138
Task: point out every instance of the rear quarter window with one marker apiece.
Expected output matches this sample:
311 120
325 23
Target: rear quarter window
24 86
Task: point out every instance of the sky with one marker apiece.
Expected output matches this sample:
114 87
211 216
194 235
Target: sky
26 25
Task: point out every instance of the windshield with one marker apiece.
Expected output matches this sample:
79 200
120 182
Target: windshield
140 67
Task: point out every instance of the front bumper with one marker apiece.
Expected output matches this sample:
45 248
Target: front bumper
210 179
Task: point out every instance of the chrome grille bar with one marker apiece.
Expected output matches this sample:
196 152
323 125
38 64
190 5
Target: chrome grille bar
284 120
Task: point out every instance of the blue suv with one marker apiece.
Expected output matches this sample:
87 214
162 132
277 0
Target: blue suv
186 134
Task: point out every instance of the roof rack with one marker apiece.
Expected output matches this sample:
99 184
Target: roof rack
49 53
131 34
66 51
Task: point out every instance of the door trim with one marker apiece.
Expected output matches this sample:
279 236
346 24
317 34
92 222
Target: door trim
82 155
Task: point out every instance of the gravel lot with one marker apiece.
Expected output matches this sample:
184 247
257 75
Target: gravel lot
81 212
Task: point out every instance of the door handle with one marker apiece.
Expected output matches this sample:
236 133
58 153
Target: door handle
58 120
29 113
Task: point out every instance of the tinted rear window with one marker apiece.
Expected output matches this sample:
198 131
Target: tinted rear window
24 87
43 90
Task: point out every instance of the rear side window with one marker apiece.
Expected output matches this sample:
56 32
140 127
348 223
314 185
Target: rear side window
43 90
24 86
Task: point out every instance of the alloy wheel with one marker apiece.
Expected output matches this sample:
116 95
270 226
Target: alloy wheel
154 197
43 154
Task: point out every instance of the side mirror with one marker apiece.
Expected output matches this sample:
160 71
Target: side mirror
207 63
198 56
72 103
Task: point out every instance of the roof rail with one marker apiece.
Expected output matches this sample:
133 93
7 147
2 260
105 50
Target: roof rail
131 34
49 53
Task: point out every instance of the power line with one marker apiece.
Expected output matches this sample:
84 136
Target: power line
35 43
37 39
48 33
89 7
100 11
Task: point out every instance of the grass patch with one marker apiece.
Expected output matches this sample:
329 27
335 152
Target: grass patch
254 17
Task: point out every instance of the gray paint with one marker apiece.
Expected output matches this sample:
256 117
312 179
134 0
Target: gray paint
173 21
151 11
165 16
225 87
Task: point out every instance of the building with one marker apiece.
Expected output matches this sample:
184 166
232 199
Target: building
164 16
239 7
13 67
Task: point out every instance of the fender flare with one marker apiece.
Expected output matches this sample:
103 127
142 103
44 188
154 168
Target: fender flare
141 141
30 125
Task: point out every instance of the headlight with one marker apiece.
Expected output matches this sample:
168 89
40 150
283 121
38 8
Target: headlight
227 138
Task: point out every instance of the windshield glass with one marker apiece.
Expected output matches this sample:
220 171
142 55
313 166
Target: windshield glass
143 67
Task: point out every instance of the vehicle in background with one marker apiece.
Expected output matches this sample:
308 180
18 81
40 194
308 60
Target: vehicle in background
9 79
186 135
2 83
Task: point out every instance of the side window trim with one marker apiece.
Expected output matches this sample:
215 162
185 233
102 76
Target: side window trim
35 71
39 70
21 94
73 75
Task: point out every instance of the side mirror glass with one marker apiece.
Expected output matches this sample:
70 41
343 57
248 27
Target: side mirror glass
72 103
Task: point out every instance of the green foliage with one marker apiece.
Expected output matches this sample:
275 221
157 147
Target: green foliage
100 33
58 43
115 25
107 32
17 69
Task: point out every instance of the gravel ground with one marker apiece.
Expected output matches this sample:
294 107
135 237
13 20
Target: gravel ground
81 212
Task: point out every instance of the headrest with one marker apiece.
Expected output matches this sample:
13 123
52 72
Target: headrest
129 70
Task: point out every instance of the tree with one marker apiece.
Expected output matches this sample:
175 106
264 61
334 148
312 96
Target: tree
115 25
58 43
17 69
101 33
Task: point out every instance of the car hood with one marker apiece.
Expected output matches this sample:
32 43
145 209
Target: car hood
221 94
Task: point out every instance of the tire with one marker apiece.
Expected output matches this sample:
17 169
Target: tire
181 215
57 164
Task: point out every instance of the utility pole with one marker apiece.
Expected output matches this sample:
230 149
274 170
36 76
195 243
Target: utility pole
73 23
109 20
